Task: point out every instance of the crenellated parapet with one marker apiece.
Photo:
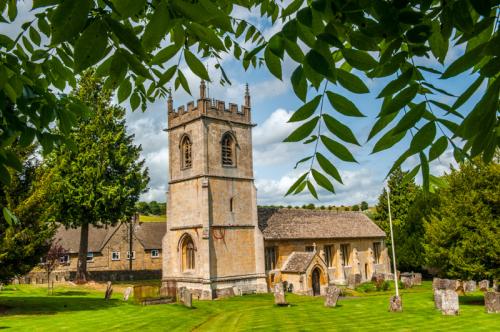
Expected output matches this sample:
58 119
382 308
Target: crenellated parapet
210 108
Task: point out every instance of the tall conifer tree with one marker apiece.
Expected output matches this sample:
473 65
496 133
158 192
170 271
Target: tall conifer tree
99 180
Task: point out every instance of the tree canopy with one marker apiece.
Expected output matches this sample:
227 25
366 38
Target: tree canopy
139 46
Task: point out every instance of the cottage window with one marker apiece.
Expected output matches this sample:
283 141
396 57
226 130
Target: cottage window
64 259
188 254
271 258
376 252
115 256
186 145
228 144
90 257
344 254
328 255
155 253
133 254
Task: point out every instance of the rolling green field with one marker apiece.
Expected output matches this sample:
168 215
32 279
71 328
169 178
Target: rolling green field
152 218
28 308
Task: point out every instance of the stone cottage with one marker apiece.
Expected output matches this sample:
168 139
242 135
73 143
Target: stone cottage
217 241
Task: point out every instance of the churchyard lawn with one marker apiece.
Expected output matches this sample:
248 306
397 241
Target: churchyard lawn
28 308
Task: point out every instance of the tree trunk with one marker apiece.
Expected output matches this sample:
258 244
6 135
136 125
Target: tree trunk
81 269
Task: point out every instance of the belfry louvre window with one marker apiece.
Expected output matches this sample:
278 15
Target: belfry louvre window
271 257
228 157
187 161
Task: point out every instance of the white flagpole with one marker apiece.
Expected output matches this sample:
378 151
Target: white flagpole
392 243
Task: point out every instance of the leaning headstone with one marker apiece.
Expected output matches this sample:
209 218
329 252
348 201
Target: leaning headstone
331 296
237 291
279 294
109 291
492 302
449 302
407 281
438 298
484 285
395 304
126 293
187 298
417 279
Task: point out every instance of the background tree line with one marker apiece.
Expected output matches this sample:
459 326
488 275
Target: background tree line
453 231
154 208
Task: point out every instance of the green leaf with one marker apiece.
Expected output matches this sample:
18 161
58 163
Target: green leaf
69 19
425 171
410 119
44 3
437 42
312 190
317 62
4 177
301 161
304 16
388 140
128 8
339 129
183 81
296 184
303 131
299 83
35 36
398 84
90 48
492 68
423 138
136 66
337 149
343 105
12 160
165 54
381 124
328 167
359 59
467 93
465 62
294 51
7 214
362 41
273 63
158 26
351 82
401 159
167 75
410 175
438 148
127 36
208 36
483 7
322 181
124 90
196 65
134 101
400 100
306 110
291 8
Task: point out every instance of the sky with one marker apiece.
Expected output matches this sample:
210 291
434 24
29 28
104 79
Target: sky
273 102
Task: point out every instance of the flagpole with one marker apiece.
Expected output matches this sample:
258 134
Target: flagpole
392 243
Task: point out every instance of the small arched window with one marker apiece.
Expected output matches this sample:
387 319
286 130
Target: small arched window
188 254
228 147
187 160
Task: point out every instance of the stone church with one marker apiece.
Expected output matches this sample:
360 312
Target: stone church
218 242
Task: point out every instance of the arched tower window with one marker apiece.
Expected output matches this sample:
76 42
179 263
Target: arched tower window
188 254
228 150
187 160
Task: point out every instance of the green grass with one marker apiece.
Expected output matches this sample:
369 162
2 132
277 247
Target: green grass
81 309
151 218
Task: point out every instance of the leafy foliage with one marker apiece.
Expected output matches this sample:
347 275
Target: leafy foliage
462 237
99 180
327 39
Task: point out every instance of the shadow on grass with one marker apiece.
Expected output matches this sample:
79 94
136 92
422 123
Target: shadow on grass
26 305
471 300
71 293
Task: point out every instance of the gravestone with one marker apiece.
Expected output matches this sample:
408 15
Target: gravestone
435 283
279 294
225 292
407 281
449 302
237 291
378 279
438 298
109 291
126 293
470 286
496 285
492 302
332 296
180 293
395 304
187 298
417 279
353 280
484 285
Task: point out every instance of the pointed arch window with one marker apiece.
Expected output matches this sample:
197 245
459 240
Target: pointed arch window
228 150
188 254
186 150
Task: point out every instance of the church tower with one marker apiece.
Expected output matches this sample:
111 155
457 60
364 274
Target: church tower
212 242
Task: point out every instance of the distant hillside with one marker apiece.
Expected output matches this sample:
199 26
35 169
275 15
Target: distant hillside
152 218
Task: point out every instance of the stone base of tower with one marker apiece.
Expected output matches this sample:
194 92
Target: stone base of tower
205 289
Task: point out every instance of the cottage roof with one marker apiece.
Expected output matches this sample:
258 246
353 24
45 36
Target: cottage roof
282 224
298 262
149 235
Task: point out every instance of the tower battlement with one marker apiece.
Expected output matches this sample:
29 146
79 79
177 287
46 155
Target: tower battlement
211 108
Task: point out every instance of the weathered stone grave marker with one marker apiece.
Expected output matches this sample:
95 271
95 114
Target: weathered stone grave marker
186 297
492 302
395 304
417 279
449 302
109 291
126 293
484 285
470 286
438 298
279 294
331 296
353 280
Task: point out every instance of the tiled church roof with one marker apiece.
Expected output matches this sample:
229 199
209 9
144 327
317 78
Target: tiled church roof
298 262
281 223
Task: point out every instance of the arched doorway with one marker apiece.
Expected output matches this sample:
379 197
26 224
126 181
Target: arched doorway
316 274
